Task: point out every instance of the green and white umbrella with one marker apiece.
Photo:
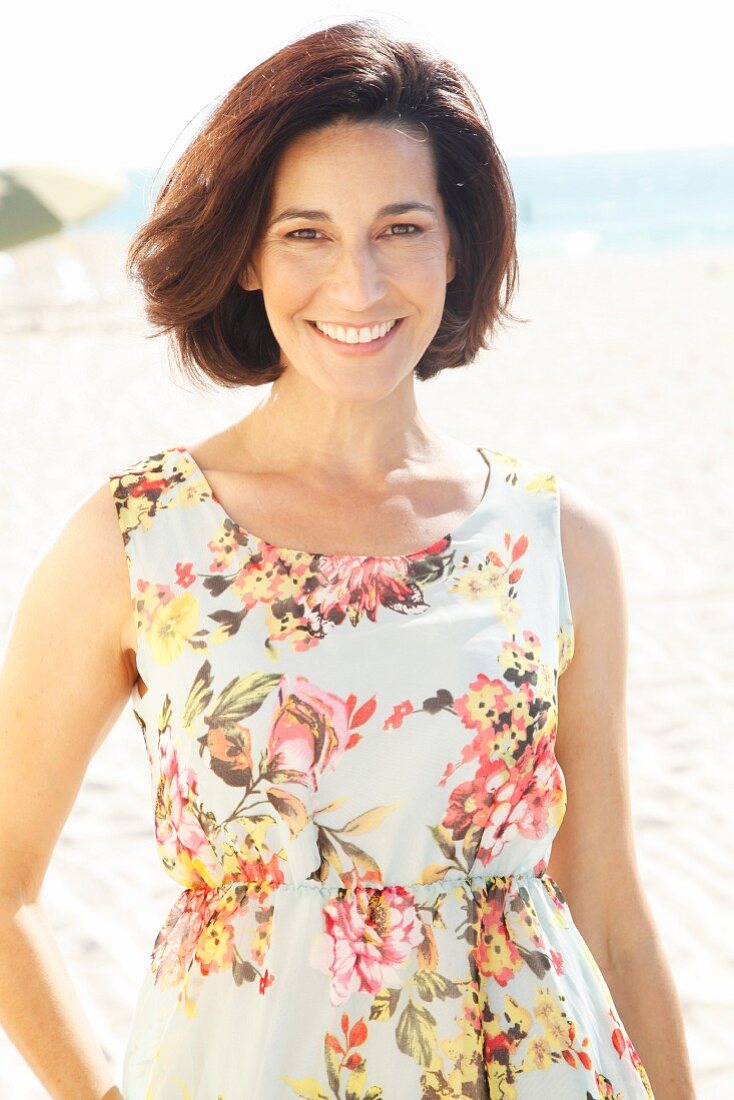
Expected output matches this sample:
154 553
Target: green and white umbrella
36 200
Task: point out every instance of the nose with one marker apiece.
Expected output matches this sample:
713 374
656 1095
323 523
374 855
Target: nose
357 278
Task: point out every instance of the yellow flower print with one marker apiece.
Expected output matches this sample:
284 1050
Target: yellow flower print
250 846
478 584
173 624
517 1017
565 647
215 947
543 482
462 1043
558 1033
191 491
494 577
556 1028
499 1083
224 545
134 512
506 609
545 687
484 702
546 1006
539 1054
189 870
267 581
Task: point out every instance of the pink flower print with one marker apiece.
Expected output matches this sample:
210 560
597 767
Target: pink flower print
399 712
358 587
557 959
177 828
530 800
485 700
604 1086
372 932
184 573
471 802
501 716
266 980
310 733
495 953
176 943
266 874
508 801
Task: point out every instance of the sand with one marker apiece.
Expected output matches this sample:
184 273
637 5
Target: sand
621 382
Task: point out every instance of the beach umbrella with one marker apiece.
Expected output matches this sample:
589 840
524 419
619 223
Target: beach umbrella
39 199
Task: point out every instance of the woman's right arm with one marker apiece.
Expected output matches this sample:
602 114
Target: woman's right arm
64 680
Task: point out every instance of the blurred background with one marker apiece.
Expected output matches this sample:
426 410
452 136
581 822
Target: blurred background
618 131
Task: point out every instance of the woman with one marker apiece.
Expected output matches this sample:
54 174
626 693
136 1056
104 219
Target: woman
352 717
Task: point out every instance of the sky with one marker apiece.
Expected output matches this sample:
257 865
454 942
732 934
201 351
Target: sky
86 85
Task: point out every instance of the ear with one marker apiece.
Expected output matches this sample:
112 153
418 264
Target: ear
450 268
248 279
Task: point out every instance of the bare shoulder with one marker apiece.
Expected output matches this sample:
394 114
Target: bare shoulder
95 531
93 539
84 568
64 680
591 554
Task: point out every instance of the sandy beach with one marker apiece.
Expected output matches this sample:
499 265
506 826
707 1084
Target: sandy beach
621 382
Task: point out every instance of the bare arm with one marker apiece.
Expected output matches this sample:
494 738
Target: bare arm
593 857
63 682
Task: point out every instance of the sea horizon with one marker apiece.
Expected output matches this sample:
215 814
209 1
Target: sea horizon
646 202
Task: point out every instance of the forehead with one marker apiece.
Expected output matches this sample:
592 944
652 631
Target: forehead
349 157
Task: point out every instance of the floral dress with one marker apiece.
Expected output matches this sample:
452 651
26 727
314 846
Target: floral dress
354 784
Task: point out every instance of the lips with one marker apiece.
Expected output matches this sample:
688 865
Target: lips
372 345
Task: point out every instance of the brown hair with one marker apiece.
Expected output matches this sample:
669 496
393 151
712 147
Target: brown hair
213 206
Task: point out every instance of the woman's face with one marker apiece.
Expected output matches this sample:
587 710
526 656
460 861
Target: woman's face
333 253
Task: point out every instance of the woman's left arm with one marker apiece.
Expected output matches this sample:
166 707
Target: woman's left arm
593 858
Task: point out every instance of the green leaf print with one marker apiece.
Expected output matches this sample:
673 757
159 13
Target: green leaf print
242 696
367 821
430 984
356 1083
329 857
415 1033
243 971
165 717
361 860
200 695
384 1004
290 809
471 842
332 1058
443 838
306 1087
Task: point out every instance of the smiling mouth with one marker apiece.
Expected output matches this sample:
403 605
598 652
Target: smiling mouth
376 342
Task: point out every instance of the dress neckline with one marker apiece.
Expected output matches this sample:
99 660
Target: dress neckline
435 547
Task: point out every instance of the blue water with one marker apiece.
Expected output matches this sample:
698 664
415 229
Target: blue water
648 202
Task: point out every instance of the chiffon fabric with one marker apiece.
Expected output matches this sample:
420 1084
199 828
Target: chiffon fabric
353 781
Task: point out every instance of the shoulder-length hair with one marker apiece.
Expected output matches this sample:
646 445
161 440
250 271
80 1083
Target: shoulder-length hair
212 208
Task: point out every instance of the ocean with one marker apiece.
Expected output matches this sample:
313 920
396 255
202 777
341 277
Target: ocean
637 202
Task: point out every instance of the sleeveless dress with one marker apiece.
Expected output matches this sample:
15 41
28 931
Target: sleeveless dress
354 784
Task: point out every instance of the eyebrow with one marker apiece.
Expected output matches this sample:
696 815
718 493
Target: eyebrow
291 213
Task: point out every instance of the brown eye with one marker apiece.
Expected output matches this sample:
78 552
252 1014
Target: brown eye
405 225
402 228
293 233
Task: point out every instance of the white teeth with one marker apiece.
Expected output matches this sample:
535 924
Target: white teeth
351 335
